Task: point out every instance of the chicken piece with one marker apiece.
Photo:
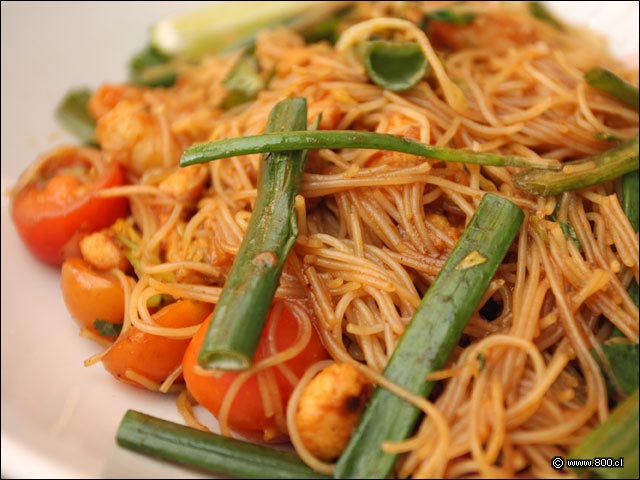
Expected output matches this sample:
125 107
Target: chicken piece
329 409
101 250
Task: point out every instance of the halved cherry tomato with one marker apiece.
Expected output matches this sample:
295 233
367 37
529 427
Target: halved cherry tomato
91 295
247 411
56 205
153 356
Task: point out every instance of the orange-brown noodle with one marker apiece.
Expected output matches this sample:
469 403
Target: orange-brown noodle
376 227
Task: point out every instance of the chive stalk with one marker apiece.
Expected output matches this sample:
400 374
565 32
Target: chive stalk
188 446
608 82
615 440
241 312
583 173
302 140
432 334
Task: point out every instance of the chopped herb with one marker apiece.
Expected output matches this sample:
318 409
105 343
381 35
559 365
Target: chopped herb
482 360
570 234
609 137
107 329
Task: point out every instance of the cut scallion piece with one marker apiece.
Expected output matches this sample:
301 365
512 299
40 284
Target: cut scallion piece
432 334
610 83
214 453
246 298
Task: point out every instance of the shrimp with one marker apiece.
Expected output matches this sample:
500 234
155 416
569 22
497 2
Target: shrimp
329 409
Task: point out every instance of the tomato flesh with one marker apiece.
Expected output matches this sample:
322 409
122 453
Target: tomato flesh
247 410
53 213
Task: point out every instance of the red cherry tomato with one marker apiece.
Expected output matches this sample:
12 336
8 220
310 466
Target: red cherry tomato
247 411
55 203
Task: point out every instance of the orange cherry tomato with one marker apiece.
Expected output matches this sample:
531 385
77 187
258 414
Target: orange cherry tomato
247 410
152 356
55 203
91 295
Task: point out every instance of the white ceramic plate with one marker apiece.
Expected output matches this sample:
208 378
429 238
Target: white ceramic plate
58 418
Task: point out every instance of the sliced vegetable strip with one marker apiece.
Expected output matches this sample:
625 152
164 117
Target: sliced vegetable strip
240 314
578 174
616 438
293 140
610 83
431 335
195 448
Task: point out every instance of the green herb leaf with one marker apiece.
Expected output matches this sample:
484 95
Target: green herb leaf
616 438
539 11
396 66
151 68
622 371
107 329
73 115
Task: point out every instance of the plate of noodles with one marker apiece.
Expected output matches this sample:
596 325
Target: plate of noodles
466 138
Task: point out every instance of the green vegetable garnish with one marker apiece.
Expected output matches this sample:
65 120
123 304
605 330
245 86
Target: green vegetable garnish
432 334
608 82
239 316
396 66
73 115
107 329
616 438
244 81
578 174
151 68
215 453
286 141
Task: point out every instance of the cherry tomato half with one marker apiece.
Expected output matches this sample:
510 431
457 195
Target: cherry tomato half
247 411
55 203
91 295
154 356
